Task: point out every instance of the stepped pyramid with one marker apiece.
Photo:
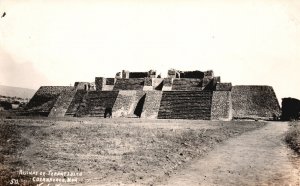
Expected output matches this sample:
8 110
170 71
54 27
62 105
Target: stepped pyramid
197 95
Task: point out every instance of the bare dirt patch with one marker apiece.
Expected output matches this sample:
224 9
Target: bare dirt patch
112 151
259 157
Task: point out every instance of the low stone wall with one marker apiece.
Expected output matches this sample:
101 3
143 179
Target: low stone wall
185 105
254 102
221 108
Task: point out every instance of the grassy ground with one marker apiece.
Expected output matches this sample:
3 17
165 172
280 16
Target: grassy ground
109 151
293 136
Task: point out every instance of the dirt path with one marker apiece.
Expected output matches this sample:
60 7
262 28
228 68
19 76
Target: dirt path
259 157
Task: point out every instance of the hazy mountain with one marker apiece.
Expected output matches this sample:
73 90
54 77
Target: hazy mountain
16 91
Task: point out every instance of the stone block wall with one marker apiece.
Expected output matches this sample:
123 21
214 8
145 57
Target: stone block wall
221 108
209 74
110 81
167 84
187 84
62 103
81 85
172 73
129 84
254 102
128 104
125 74
124 103
223 87
147 81
75 103
185 105
192 74
99 82
157 83
44 99
97 102
152 104
138 74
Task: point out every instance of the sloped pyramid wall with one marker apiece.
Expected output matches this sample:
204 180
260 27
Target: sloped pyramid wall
62 103
97 102
221 108
128 103
254 102
185 105
75 103
44 99
152 104
124 103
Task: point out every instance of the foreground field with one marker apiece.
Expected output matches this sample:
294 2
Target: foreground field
109 151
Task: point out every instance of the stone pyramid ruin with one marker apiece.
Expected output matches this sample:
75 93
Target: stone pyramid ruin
181 95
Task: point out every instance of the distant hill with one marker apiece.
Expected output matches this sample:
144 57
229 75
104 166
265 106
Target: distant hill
16 91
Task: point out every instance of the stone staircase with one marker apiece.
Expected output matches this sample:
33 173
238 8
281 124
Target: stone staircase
185 105
99 101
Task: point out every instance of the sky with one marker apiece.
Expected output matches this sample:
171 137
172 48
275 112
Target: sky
58 42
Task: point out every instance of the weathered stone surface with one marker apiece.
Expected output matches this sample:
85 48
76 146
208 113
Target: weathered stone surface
147 81
183 95
185 105
128 104
254 102
124 103
99 82
75 103
110 81
221 105
152 104
44 99
97 102
187 84
129 84
62 103
223 87
157 83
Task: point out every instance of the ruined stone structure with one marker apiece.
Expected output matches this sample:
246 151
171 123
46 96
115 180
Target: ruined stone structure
181 95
